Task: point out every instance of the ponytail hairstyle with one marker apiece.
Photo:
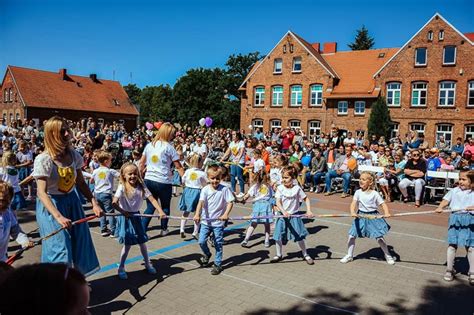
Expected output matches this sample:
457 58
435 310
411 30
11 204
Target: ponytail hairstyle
290 170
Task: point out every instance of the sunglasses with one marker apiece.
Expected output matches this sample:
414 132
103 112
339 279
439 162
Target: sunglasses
415 154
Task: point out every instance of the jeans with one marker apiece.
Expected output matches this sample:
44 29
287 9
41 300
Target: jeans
161 192
218 241
346 180
105 202
314 179
236 171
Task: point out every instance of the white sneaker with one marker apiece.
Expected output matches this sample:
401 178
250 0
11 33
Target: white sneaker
390 260
311 189
164 232
346 259
240 195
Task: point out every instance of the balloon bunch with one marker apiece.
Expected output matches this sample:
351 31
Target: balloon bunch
156 125
205 122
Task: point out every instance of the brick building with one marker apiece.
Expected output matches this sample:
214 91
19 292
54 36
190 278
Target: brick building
300 85
36 94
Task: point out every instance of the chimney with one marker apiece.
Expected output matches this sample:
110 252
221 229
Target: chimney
93 77
330 48
63 74
316 47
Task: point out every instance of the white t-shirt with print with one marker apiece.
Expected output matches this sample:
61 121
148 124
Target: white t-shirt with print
24 157
235 148
131 203
159 157
275 176
194 178
59 179
368 202
260 192
9 228
258 165
104 180
290 197
214 203
460 199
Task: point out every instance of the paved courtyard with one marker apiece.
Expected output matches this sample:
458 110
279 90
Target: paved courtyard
251 285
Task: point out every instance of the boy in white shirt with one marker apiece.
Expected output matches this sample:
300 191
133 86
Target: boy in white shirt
215 203
103 180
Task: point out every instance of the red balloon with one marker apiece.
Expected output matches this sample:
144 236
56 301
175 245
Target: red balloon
158 124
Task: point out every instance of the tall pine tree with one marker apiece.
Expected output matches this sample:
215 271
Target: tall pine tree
362 41
379 120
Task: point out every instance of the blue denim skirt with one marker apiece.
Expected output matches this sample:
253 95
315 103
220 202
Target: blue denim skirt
461 229
131 230
289 229
189 199
261 208
371 228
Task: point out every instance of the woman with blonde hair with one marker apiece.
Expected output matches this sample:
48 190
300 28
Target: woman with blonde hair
57 172
157 159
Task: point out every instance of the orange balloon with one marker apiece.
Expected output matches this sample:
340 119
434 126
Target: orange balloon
158 124
352 164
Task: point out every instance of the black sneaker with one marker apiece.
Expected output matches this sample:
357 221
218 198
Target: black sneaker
203 261
216 270
105 232
183 235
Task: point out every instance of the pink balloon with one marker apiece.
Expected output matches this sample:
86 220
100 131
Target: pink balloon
149 125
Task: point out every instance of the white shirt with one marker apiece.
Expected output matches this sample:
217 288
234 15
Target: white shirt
260 192
258 165
9 175
460 199
290 197
214 203
200 149
235 148
159 158
194 178
275 176
368 202
9 227
104 180
24 157
134 202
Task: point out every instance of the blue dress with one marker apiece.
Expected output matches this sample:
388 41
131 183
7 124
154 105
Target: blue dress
371 228
461 224
189 199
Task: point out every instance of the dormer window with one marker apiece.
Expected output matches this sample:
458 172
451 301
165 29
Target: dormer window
297 64
116 102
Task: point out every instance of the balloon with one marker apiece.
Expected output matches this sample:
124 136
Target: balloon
208 122
202 122
158 124
149 125
250 126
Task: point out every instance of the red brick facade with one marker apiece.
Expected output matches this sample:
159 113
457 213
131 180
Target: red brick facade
356 76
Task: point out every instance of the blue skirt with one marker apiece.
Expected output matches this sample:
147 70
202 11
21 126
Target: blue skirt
73 246
262 208
130 230
371 228
461 229
289 229
189 199
176 178
18 201
23 173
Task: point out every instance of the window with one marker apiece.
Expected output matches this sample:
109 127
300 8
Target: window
359 108
314 128
275 123
121 122
277 65
441 35
10 95
116 102
100 122
297 64
291 48
449 55
418 94
284 49
316 95
420 57
469 132
393 94
259 99
4 117
447 92
296 95
17 116
11 117
277 96
418 127
342 108
430 36
446 131
5 95
296 124
257 123
394 129
470 93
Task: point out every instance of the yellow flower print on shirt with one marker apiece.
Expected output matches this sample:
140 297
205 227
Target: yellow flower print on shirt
155 159
67 179
102 175
193 176
263 190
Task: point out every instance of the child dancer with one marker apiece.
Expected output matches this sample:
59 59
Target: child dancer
10 175
460 231
367 201
261 193
103 180
288 198
194 179
128 200
279 162
25 159
215 203
176 177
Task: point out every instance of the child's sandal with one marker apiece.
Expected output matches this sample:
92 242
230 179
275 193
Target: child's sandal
471 278
276 259
449 275
309 260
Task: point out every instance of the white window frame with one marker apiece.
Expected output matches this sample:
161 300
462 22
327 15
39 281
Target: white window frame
420 127
430 36
358 104
277 96
394 88
314 127
469 131
259 96
470 93
419 90
339 112
444 55
295 124
316 95
296 61
416 57
10 95
5 95
296 95
441 35
275 123
394 128
257 123
448 133
446 91
277 61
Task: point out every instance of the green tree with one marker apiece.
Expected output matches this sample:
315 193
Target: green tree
362 40
156 103
379 120
133 93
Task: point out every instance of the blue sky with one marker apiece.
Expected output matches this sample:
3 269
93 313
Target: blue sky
157 41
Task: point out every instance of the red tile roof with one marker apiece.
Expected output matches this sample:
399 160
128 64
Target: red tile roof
46 89
356 70
470 36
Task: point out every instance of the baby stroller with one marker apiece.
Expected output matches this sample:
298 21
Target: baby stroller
117 154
